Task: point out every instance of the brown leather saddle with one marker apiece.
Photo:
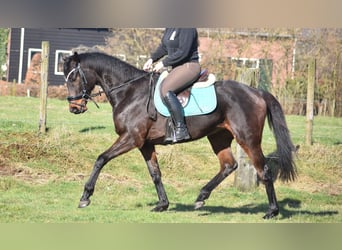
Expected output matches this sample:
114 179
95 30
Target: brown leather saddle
183 96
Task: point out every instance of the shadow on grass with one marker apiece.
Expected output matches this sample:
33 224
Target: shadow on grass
284 206
91 128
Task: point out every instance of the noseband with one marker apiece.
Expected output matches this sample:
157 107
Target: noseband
84 96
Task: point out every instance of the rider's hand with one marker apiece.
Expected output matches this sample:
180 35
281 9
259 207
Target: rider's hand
158 66
148 65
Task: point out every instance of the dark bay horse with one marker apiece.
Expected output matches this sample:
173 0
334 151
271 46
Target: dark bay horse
240 114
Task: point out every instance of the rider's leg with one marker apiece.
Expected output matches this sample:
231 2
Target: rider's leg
178 79
176 110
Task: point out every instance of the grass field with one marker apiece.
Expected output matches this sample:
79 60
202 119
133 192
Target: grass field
42 176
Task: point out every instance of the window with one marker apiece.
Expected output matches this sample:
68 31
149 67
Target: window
60 55
251 63
32 55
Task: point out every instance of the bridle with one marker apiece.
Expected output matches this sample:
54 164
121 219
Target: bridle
85 96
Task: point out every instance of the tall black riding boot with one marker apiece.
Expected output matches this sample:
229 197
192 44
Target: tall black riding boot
176 111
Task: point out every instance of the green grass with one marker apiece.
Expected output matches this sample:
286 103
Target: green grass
42 176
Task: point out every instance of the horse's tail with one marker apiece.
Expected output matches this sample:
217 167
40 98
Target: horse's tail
285 147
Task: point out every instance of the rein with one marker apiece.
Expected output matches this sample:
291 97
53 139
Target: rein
84 82
130 81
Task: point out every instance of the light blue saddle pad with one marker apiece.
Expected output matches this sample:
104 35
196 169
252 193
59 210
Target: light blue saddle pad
201 101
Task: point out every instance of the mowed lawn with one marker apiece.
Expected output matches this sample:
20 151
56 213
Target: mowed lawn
42 176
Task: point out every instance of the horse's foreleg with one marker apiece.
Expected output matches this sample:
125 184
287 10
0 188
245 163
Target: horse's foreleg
220 143
122 145
149 154
90 184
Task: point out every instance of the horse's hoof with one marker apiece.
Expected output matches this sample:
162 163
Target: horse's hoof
270 214
160 208
199 204
84 203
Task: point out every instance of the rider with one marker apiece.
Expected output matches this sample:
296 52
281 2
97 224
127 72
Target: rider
180 46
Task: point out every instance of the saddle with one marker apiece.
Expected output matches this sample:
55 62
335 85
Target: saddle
204 80
198 99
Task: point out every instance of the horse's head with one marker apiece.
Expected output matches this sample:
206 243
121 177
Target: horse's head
80 82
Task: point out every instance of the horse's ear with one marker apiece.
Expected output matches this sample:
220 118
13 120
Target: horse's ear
76 57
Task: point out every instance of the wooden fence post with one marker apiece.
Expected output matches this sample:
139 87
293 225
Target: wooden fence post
44 86
245 175
310 101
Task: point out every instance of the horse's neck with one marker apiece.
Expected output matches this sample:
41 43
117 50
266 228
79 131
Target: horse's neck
111 80
113 84
122 72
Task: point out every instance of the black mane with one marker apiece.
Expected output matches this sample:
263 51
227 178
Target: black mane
104 63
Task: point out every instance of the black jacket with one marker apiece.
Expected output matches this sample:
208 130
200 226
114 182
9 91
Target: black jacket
179 44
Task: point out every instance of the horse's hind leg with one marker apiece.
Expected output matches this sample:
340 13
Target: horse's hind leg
148 151
271 195
265 175
220 143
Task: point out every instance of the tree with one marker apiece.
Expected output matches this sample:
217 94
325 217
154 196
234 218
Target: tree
3 49
135 44
325 45
294 48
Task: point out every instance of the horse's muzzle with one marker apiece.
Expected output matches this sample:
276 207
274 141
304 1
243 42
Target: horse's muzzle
78 106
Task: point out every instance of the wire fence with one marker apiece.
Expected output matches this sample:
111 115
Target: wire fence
326 130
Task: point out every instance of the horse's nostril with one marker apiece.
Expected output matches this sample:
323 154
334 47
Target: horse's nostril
77 110
74 110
